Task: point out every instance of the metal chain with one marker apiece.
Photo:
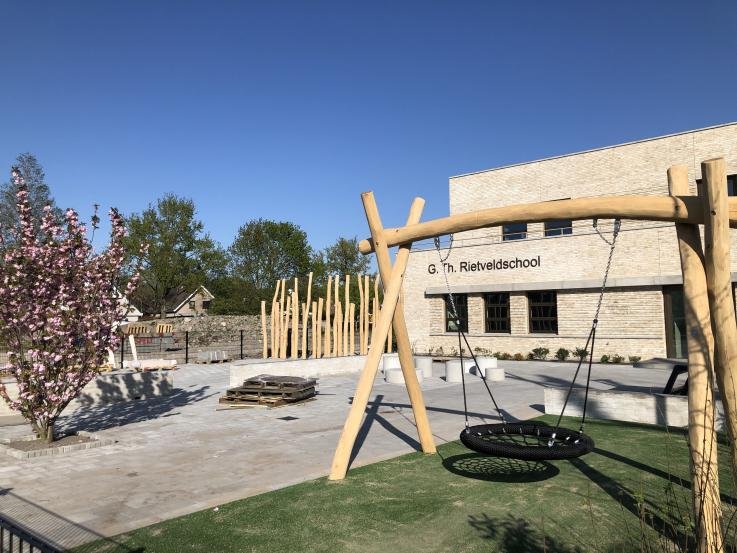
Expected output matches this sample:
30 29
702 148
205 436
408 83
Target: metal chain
612 245
436 240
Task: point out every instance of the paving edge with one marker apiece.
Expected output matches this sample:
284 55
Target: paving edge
53 451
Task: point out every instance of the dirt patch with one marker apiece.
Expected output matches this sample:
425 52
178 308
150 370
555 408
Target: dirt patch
34 445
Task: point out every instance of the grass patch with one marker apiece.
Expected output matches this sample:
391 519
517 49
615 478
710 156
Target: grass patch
631 494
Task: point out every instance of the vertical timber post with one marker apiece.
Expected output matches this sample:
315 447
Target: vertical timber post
701 424
352 424
242 344
186 346
719 282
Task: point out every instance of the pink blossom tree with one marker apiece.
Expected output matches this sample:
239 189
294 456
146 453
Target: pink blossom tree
59 309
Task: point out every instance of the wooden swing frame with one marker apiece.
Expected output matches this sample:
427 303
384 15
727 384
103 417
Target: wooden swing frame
710 315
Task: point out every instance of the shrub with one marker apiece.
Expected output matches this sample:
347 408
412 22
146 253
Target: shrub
519 357
540 353
604 358
505 356
530 357
634 359
617 359
562 354
580 353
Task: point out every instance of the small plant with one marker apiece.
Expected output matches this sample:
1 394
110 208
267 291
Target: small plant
519 357
530 356
439 351
634 359
617 359
604 358
562 354
580 353
540 353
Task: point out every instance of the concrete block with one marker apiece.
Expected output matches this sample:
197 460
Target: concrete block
453 369
424 364
395 376
390 361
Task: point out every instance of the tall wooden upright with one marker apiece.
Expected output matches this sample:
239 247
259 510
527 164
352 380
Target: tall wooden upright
701 410
719 282
381 330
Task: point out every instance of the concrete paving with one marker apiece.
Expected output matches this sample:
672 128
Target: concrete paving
179 454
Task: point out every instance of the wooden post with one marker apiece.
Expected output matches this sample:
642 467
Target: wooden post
346 310
274 348
315 339
360 314
336 326
295 319
404 347
282 329
371 366
366 304
701 425
305 316
264 337
351 328
339 330
328 325
319 329
718 278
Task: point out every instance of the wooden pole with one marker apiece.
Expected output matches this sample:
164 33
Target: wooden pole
282 330
346 310
295 320
701 414
314 340
360 314
404 347
328 326
683 209
351 328
264 337
305 316
718 278
285 330
274 348
371 366
319 328
366 306
339 330
376 307
336 326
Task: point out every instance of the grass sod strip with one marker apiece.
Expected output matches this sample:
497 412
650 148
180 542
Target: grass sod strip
631 494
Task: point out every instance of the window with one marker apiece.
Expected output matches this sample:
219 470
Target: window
558 228
205 304
461 303
191 304
497 312
514 231
731 185
543 307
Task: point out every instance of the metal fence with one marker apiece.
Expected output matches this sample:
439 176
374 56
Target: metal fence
14 539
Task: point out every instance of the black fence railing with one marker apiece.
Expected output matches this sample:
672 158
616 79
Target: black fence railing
14 539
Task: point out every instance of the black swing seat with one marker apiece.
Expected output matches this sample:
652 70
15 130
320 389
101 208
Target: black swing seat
528 441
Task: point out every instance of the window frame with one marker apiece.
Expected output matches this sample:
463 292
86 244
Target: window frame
461 303
541 321
506 319
558 230
514 235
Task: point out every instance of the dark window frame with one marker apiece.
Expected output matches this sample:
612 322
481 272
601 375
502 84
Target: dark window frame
731 185
497 319
542 312
511 233
559 227
461 303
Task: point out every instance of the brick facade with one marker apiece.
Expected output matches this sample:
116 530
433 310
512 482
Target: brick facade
632 316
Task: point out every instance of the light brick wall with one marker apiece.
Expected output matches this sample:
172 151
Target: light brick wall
632 320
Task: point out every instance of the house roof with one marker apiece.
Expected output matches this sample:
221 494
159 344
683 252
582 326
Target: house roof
177 299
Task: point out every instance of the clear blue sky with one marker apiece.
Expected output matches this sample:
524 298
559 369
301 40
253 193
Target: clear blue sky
289 110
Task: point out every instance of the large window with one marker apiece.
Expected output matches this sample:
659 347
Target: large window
461 304
514 231
543 307
558 228
497 312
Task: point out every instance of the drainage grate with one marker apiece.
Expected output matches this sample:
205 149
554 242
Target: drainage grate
288 418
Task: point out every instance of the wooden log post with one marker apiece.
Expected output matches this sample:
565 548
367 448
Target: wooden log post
360 314
264 337
305 316
351 329
718 278
295 320
371 366
346 310
336 323
282 329
319 328
328 326
274 348
706 502
315 339
366 306
404 347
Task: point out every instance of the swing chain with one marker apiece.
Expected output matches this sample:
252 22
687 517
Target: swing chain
612 244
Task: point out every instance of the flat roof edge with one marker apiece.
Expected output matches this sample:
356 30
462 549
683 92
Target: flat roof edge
733 123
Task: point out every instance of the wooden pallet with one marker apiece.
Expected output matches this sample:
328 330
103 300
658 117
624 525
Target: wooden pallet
225 405
244 394
279 383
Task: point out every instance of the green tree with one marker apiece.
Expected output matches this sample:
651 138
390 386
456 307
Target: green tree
265 251
343 258
180 254
39 195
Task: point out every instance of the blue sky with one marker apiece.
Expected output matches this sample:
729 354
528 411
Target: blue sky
289 110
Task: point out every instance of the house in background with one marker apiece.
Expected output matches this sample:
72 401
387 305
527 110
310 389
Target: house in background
132 313
183 303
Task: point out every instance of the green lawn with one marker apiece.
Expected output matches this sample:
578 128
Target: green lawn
634 484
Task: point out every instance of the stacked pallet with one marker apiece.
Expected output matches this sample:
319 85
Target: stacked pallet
270 391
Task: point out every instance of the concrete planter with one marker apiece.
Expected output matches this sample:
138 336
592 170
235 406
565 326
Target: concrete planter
453 369
390 361
487 368
395 376
424 364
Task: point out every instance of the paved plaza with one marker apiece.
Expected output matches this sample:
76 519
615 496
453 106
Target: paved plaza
182 453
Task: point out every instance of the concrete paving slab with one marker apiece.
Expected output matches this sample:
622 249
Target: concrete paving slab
178 454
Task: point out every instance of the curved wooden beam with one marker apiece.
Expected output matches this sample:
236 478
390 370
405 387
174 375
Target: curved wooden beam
680 209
